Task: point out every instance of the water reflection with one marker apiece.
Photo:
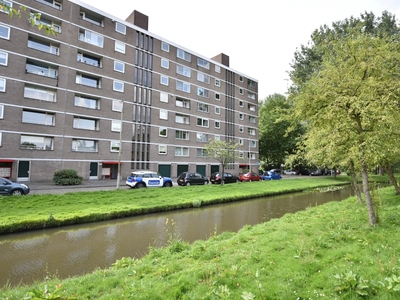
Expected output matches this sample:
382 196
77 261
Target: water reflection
80 249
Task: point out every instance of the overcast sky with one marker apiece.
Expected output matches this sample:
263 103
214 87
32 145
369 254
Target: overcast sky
259 36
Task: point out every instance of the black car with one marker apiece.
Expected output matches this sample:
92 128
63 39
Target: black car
304 172
8 187
189 178
228 178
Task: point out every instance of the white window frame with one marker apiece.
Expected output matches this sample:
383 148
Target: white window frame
5 55
162 149
3 82
252 144
217 82
164 80
202 137
240 78
46 119
8 4
241 116
217 124
241 128
116 125
217 96
118 88
241 103
185 103
121 64
1 138
217 137
182 133
1 111
251 131
51 95
203 107
185 86
86 99
183 70
117 105
121 28
202 77
120 47
92 150
165 46
217 69
114 145
183 55
79 123
164 97
203 63
185 119
184 151
241 92
217 110
84 36
165 63
160 129
202 92
241 142
8 33
43 139
241 154
163 114
203 122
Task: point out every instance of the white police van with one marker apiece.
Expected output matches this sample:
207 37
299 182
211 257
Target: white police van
141 179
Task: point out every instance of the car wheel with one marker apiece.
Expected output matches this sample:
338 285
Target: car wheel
168 184
17 193
140 185
187 183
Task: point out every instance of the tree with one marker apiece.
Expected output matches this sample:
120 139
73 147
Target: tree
275 141
222 151
352 104
33 18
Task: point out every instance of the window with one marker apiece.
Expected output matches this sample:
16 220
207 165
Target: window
251 131
181 135
217 124
87 102
203 107
119 47
251 107
202 122
118 86
39 93
119 66
241 129
46 21
121 28
202 137
182 103
241 116
240 91
217 137
251 95
183 55
40 68
165 46
91 18
163 114
164 80
203 77
116 125
241 78
117 105
88 59
185 71
181 151
3 58
165 63
91 37
217 110
182 119
162 149
252 156
42 45
1 111
83 123
36 142
217 96
241 154
2 84
53 3
241 103
84 145
203 63
6 6
114 146
252 119
1 137
252 143
217 69
202 92
4 32
217 82
87 80
40 118
241 142
251 83
162 131
201 152
183 86
164 97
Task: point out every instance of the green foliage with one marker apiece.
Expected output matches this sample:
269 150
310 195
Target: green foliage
67 177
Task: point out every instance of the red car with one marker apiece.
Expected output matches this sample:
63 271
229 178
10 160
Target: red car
250 176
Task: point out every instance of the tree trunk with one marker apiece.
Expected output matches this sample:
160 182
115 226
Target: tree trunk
368 197
388 169
223 174
355 184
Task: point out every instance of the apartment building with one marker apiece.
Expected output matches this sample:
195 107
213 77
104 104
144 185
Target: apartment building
105 92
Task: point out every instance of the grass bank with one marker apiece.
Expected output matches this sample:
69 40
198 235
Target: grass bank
327 252
53 210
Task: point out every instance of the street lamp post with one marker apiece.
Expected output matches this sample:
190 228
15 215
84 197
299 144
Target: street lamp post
120 147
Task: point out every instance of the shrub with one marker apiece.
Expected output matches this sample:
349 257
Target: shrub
67 177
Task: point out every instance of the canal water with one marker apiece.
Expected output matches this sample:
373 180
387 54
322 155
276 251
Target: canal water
80 249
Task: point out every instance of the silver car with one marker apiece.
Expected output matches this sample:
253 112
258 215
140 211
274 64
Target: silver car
8 187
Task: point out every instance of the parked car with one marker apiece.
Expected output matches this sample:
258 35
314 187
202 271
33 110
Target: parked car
317 173
249 176
228 178
189 178
8 187
304 172
275 171
290 172
141 179
271 176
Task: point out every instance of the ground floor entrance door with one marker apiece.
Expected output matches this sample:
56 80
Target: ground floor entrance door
23 170
94 169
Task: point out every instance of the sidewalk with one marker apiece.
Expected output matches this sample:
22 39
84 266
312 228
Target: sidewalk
87 185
